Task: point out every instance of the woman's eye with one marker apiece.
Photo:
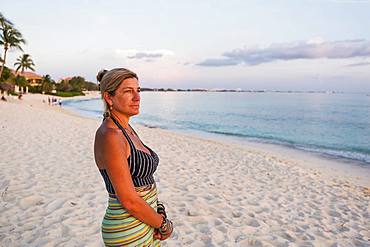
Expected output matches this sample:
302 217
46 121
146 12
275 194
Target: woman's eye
131 91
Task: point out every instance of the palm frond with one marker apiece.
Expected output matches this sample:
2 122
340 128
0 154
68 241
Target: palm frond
4 20
24 62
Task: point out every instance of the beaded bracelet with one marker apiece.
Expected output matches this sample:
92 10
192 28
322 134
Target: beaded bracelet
161 209
166 227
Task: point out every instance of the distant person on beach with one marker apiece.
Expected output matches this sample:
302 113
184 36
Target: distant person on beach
134 216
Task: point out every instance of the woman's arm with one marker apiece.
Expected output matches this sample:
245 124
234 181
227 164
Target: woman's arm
113 155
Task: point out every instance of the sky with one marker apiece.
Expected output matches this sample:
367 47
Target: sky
257 45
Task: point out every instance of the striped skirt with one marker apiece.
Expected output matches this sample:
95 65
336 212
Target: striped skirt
119 228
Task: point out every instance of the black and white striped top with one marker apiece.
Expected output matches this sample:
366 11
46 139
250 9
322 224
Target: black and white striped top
142 165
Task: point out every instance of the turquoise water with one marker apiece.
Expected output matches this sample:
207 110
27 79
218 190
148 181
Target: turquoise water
337 125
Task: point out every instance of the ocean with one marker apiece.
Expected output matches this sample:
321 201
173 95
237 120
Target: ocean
335 125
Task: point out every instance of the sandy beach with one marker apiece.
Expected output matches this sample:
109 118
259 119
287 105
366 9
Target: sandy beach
217 193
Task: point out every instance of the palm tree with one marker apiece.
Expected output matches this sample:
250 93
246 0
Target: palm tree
4 20
24 62
47 84
10 37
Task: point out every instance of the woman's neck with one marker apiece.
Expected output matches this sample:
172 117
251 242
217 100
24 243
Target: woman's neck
122 119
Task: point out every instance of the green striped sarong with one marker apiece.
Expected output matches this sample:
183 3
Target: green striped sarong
119 228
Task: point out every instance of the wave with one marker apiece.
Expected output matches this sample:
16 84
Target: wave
353 153
361 154
350 153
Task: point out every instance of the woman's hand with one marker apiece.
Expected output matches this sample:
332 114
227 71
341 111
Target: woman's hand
166 229
159 236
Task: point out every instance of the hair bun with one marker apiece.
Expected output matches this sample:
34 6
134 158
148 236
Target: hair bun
101 74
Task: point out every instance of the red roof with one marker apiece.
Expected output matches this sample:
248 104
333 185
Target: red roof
28 75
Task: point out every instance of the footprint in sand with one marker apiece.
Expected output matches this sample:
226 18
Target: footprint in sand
31 201
251 242
252 222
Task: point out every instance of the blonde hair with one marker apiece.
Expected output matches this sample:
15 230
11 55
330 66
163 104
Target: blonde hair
110 80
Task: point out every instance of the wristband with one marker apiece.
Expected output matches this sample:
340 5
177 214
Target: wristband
166 227
161 209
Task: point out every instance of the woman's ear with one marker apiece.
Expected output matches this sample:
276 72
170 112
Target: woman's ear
107 98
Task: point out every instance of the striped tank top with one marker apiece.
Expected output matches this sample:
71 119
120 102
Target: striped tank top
142 165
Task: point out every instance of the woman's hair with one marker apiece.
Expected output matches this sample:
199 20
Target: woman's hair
109 81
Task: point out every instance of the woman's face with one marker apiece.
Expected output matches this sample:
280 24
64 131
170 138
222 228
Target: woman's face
126 99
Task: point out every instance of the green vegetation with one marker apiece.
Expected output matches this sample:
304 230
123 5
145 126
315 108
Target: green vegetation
7 75
76 84
65 88
10 38
20 81
67 94
47 84
24 62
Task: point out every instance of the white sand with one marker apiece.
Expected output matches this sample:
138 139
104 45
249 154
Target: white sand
217 193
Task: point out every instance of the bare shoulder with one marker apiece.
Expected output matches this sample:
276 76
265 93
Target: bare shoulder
107 131
109 142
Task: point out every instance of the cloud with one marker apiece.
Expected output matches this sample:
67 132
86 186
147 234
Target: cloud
351 1
219 62
146 55
310 49
358 64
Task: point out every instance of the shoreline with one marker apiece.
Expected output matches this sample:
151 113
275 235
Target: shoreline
332 153
332 166
217 193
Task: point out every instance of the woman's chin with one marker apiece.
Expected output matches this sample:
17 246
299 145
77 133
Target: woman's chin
135 112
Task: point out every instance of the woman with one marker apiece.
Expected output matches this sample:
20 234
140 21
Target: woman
133 217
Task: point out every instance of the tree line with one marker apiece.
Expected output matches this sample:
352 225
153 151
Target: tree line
12 38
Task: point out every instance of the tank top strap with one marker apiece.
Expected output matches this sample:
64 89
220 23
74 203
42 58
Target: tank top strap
124 132
134 131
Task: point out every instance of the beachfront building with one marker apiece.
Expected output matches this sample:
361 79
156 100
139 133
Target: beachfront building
32 78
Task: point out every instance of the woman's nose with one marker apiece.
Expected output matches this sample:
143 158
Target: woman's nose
137 96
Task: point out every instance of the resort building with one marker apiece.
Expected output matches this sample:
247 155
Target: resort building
32 78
